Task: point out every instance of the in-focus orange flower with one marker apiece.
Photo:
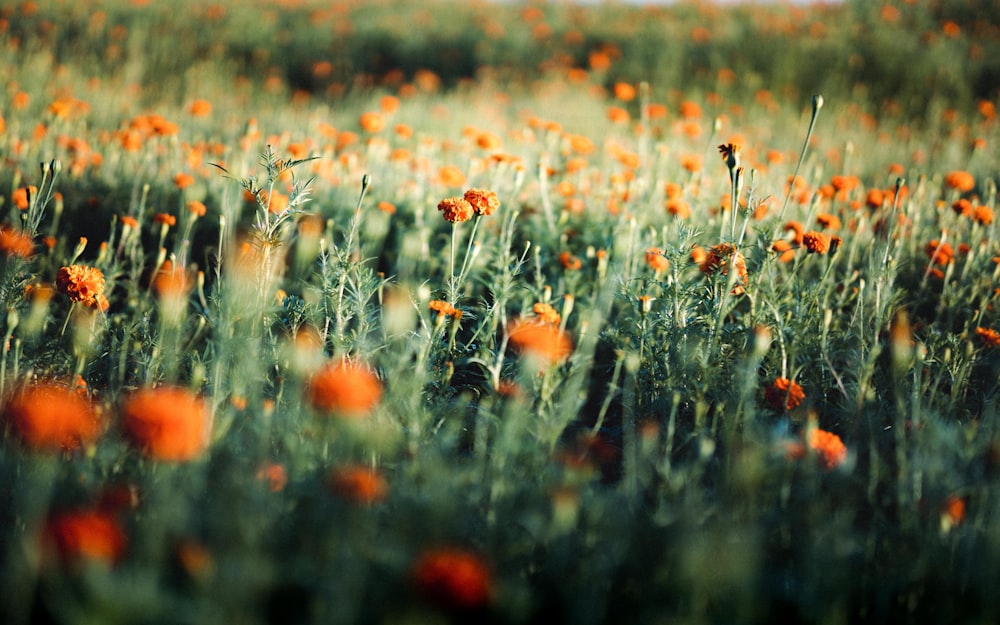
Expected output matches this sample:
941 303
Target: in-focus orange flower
167 423
784 394
86 534
50 417
483 202
961 181
453 578
546 313
816 242
83 284
456 209
541 340
829 448
344 388
360 484
722 256
13 242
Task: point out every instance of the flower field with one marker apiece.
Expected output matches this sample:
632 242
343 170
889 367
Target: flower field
440 312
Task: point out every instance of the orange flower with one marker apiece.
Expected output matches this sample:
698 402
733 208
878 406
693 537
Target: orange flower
167 423
453 579
983 215
451 176
49 417
722 256
183 180
546 313
196 208
86 534
360 484
960 181
482 201
678 208
875 198
618 115
656 260
164 219
624 91
16 243
371 122
456 209
20 198
200 108
940 253
541 340
444 309
828 221
952 512
83 284
989 337
570 262
784 394
816 242
830 450
784 250
274 475
169 282
344 388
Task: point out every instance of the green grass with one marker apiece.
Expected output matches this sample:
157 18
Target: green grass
645 478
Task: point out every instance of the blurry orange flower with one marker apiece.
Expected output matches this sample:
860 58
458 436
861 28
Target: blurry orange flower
961 181
82 284
360 484
570 262
13 242
453 579
828 221
678 208
456 209
982 215
344 388
274 475
784 394
197 208
164 219
371 122
451 176
816 242
989 337
200 108
784 250
829 448
483 202
952 512
86 534
624 91
49 417
21 197
183 180
170 281
656 260
618 115
723 256
167 423
546 313
940 253
542 340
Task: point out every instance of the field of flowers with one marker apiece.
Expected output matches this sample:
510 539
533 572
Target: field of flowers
428 312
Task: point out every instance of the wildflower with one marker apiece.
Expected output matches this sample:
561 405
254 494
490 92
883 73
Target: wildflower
444 309
196 208
618 115
165 219
962 206
678 208
875 198
371 122
167 423
784 250
546 313
344 388
829 448
453 578
456 209
940 253
200 108
570 262
169 281
82 284
828 221
451 176
21 198
482 201
86 535
183 180
15 243
989 337
730 154
723 256
360 484
624 91
784 394
961 181
49 417
542 340
816 242
656 260
983 215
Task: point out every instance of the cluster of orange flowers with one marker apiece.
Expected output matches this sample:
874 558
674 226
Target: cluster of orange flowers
473 202
721 258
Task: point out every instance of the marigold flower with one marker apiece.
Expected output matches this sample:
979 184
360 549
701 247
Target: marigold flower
274 475
170 281
624 91
989 337
456 209
371 122
20 198
451 176
983 215
200 108
961 181
875 198
816 242
483 202
82 284
183 180
344 388
444 309
546 313
542 340
784 250
49 417
165 219
570 262
828 221
723 256
940 253
453 579
360 484
15 243
167 423
656 260
797 230
829 448
784 394
197 208
86 535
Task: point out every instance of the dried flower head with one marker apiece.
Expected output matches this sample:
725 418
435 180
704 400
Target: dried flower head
167 423
344 388
49 417
456 209
82 284
483 202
